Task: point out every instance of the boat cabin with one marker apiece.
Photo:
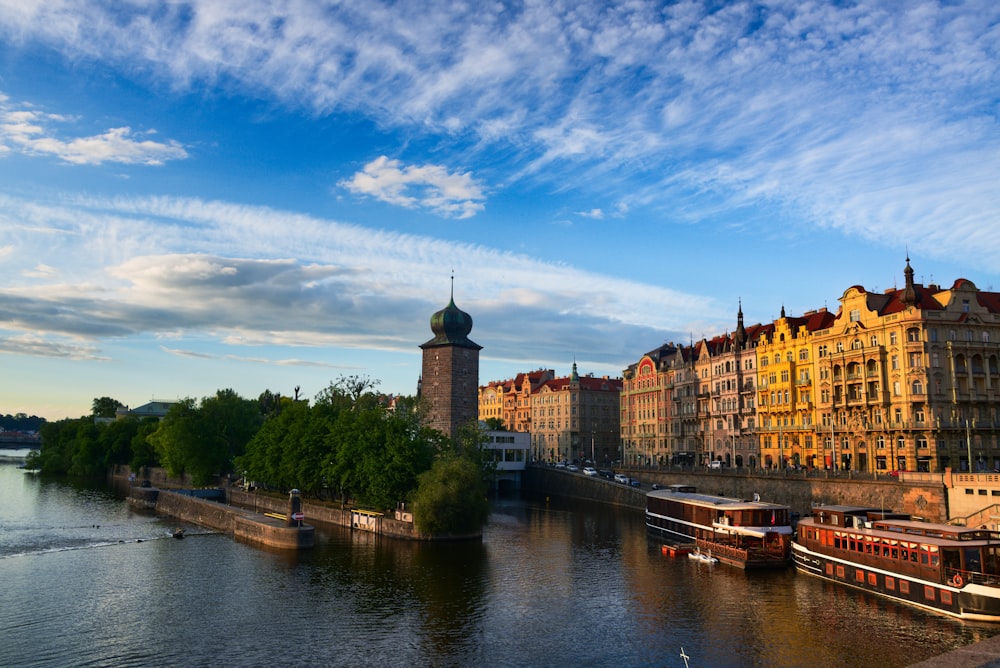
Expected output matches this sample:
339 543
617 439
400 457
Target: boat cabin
893 542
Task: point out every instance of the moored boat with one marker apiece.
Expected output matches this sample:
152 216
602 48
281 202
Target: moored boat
948 569
746 534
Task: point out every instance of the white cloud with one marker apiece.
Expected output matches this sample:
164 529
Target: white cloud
427 186
239 288
26 130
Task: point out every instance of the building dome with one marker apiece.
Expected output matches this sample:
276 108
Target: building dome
451 326
451 323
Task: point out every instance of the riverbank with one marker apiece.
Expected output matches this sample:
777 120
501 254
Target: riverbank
398 525
245 525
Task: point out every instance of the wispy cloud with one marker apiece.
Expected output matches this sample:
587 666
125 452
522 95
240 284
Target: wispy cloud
857 116
240 290
29 131
427 186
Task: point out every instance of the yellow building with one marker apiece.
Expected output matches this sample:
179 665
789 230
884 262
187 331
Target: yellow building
510 400
909 379
785 394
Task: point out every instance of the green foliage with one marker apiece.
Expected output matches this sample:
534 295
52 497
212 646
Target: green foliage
451 497
143 453
104 407
495 424
21 422
347 444
203 441
82 448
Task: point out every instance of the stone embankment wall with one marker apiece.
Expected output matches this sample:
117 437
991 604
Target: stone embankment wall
241 524
335 515
923 499
261 502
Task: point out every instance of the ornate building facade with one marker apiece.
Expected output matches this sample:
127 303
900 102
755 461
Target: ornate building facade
576 418
906 379
570 418
510 400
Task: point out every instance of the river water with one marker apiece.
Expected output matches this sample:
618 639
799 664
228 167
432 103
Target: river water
86 581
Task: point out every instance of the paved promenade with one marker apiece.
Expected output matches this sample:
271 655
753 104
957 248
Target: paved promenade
983 654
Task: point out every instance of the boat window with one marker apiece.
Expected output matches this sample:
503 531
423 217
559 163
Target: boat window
973 560
992 563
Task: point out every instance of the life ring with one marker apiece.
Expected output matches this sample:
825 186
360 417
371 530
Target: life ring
957 580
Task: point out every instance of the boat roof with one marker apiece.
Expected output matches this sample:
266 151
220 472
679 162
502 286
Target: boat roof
912 530
708 500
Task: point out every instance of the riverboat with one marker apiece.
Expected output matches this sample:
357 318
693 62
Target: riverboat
746 534
953 570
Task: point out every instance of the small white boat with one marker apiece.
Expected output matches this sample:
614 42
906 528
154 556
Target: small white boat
704 557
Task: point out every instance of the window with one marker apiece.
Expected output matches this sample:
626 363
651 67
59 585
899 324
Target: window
893 339
855 315
874 340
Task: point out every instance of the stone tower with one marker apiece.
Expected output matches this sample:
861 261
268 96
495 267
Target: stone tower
449 380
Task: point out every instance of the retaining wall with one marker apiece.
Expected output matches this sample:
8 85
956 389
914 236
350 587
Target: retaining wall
240 523
922 499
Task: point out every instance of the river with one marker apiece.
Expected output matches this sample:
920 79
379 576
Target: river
88 582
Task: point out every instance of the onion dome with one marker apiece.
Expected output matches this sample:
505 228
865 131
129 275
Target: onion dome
451 326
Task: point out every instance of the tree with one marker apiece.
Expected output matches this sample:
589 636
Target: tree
104 407
203 441
495 424
451 498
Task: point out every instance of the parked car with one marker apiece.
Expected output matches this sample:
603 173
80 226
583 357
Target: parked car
560 465
716 464
573 467
634 483
590 470
605 473
622 478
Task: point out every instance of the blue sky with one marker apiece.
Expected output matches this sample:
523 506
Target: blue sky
263 194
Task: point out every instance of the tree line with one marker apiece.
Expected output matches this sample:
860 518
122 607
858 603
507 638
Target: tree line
348 444
21 422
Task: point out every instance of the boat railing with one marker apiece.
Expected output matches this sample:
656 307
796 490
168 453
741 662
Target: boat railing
957 577
722 550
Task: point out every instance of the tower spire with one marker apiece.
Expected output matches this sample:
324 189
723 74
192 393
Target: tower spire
910 291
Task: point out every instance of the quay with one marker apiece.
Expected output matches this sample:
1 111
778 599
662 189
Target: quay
282 532
248 514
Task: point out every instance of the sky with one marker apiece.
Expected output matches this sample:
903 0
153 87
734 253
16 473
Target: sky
269 195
